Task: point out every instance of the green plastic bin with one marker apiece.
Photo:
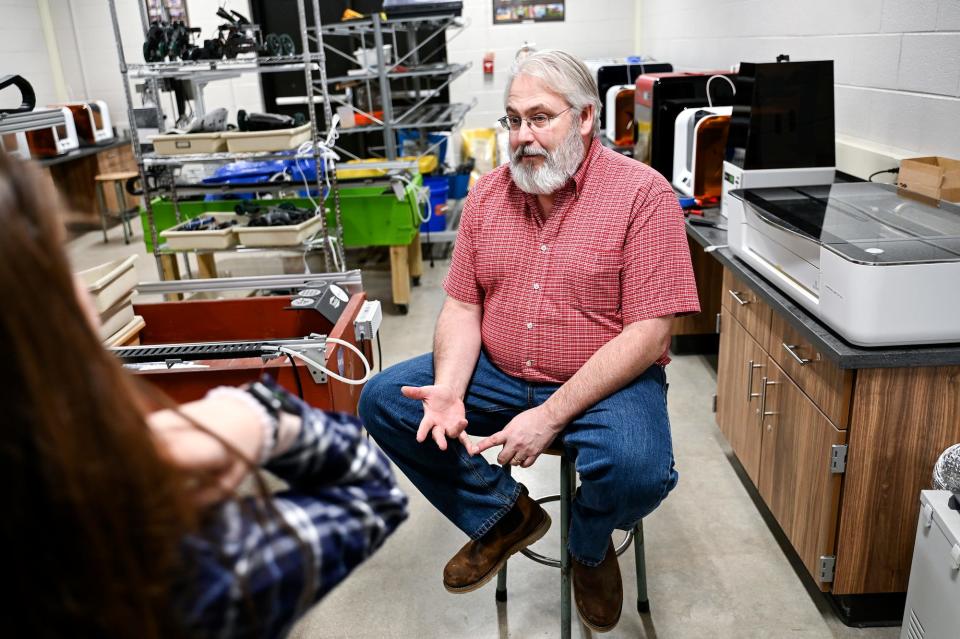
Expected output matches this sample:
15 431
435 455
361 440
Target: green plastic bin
371 214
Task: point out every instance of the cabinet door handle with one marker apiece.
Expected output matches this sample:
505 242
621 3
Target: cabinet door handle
793 353
763 398
750 367
736 296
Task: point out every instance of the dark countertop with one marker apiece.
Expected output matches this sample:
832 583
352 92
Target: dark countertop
826 341
82 152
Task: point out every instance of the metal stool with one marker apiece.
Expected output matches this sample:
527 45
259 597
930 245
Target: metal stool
568 480
125 214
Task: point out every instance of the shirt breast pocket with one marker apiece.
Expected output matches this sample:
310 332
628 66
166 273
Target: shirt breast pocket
591 283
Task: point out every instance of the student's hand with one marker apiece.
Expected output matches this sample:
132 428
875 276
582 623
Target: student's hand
443 415
199 452
524 438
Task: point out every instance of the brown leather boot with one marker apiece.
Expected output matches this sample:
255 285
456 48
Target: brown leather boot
478 561
598 591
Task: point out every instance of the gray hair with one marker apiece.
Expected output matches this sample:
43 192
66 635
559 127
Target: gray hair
565 75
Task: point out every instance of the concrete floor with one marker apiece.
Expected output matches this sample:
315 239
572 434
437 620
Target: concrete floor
715 568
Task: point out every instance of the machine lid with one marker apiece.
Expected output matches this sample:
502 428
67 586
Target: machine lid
863 222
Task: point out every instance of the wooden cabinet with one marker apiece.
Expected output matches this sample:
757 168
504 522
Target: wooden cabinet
747 307
739 374
797 481
839 455
709 275
824 382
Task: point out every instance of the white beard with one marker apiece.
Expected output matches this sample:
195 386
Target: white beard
557 167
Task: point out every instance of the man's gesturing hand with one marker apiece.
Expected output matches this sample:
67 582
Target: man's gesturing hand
523 439
443 415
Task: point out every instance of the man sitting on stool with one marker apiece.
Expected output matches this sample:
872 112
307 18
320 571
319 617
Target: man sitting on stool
569 264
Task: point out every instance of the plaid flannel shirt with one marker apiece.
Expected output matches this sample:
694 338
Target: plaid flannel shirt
248 572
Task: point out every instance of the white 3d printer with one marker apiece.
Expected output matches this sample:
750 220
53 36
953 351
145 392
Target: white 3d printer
700 134
878 268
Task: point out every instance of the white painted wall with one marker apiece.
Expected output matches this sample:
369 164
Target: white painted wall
592 29
23 51
897 62
88 51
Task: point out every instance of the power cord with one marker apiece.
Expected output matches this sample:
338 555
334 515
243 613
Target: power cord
711 79
296 376
875 173
333 340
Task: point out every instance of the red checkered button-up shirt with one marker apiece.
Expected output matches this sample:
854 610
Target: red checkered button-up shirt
613 252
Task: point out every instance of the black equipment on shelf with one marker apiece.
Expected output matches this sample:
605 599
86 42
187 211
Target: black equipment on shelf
28 97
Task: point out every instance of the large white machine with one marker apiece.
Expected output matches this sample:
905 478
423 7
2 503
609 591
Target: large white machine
878 268
932 611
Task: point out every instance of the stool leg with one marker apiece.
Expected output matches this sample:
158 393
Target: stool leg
122 208
102 201
643 604
567 482
502 575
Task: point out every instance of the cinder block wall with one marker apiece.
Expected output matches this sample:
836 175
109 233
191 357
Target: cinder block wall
592 29
897 62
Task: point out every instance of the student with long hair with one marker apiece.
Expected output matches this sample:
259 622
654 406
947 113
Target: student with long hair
121 516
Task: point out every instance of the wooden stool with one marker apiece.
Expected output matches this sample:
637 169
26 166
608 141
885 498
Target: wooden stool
568 481
123 212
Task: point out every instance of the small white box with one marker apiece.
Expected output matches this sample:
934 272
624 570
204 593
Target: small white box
111 282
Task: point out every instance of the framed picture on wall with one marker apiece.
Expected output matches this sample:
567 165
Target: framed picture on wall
516 11
167 11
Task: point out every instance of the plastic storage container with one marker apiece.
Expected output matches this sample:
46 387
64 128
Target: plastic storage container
184 143
111 282
182 240
116 317
457 184
266 141
372 215
292 235
438 204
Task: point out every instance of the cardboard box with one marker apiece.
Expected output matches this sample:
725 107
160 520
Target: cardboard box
934 177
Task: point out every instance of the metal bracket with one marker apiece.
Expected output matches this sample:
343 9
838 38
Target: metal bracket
838 458
828 565
718 323
319 376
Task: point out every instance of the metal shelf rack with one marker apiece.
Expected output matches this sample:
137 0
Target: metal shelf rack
408 67
308 62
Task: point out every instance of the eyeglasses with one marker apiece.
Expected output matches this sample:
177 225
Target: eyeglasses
536 122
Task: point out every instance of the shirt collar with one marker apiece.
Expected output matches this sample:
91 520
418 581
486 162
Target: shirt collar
579 178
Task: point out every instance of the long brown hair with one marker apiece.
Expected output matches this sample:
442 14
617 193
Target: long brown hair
92 515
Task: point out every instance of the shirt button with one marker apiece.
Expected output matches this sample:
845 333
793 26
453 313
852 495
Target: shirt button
536 287
543 248
529 324
529 362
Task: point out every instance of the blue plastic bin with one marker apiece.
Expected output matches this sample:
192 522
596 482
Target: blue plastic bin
458 184
438 203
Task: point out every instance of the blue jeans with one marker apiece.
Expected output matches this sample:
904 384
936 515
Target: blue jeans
622 447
